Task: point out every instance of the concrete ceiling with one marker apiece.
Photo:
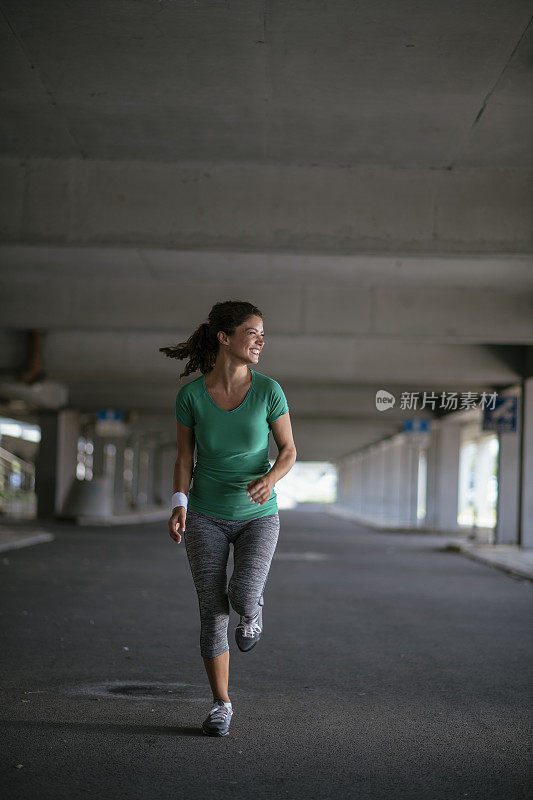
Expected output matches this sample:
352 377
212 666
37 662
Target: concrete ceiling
363 172
385 82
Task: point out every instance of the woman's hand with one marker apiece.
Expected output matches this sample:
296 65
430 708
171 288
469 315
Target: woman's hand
260 489
177 521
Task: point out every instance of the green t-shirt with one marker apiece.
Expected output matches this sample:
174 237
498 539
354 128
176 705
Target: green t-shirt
232 446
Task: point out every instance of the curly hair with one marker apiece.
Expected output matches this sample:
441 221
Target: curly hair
202 346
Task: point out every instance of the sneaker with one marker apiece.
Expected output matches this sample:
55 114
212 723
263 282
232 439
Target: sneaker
217 721
249 630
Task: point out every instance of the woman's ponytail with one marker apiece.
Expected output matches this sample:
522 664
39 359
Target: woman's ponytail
201 348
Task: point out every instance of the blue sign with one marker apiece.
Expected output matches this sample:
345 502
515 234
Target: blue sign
502 418
110 413
416 425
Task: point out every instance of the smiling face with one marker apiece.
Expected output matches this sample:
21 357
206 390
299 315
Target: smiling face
248 340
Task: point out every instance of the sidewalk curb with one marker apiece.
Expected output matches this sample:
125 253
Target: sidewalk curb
503 557
386 527
158 514
26 541
514 560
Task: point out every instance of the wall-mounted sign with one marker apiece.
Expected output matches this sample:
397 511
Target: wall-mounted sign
416 425
502 418
417 430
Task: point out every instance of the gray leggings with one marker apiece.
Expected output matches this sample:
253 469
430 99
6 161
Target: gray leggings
207 542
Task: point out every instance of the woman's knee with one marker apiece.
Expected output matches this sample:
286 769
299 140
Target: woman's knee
243 597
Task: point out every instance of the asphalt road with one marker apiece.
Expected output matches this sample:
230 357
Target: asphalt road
388 668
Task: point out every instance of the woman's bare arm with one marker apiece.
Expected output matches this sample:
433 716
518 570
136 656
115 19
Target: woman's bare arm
183 469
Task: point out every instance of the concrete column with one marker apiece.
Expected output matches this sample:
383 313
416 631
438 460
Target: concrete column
386 475
359 483
408 483
98 455
55 464
67 454
395 478
118 482
143 474
45 464
366 482
355 482
443 476
526 480
403 491
165 457
346 482
431 475
413 487
422 483
380 481
507 521
349 482
372 484
150 452
135 443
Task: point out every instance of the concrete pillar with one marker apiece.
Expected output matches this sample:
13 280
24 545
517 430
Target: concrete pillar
119 503
341 479
395 478
507 520
371 482
135 444
165 457
55 464
385 504
67 451
45 464
359 483
443 475
355 488
143 474
422 484
345 482
408 483
365 482
431 475
99 443
526 459
380 481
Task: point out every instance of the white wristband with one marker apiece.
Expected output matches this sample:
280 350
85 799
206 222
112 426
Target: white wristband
179 499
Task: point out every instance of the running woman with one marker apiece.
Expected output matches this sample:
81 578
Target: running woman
227 413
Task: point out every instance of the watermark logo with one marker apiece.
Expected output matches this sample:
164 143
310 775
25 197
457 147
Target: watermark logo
450 401
384 400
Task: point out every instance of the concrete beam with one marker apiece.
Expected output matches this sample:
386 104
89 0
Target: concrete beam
269 207
360 297
117 264
340 358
